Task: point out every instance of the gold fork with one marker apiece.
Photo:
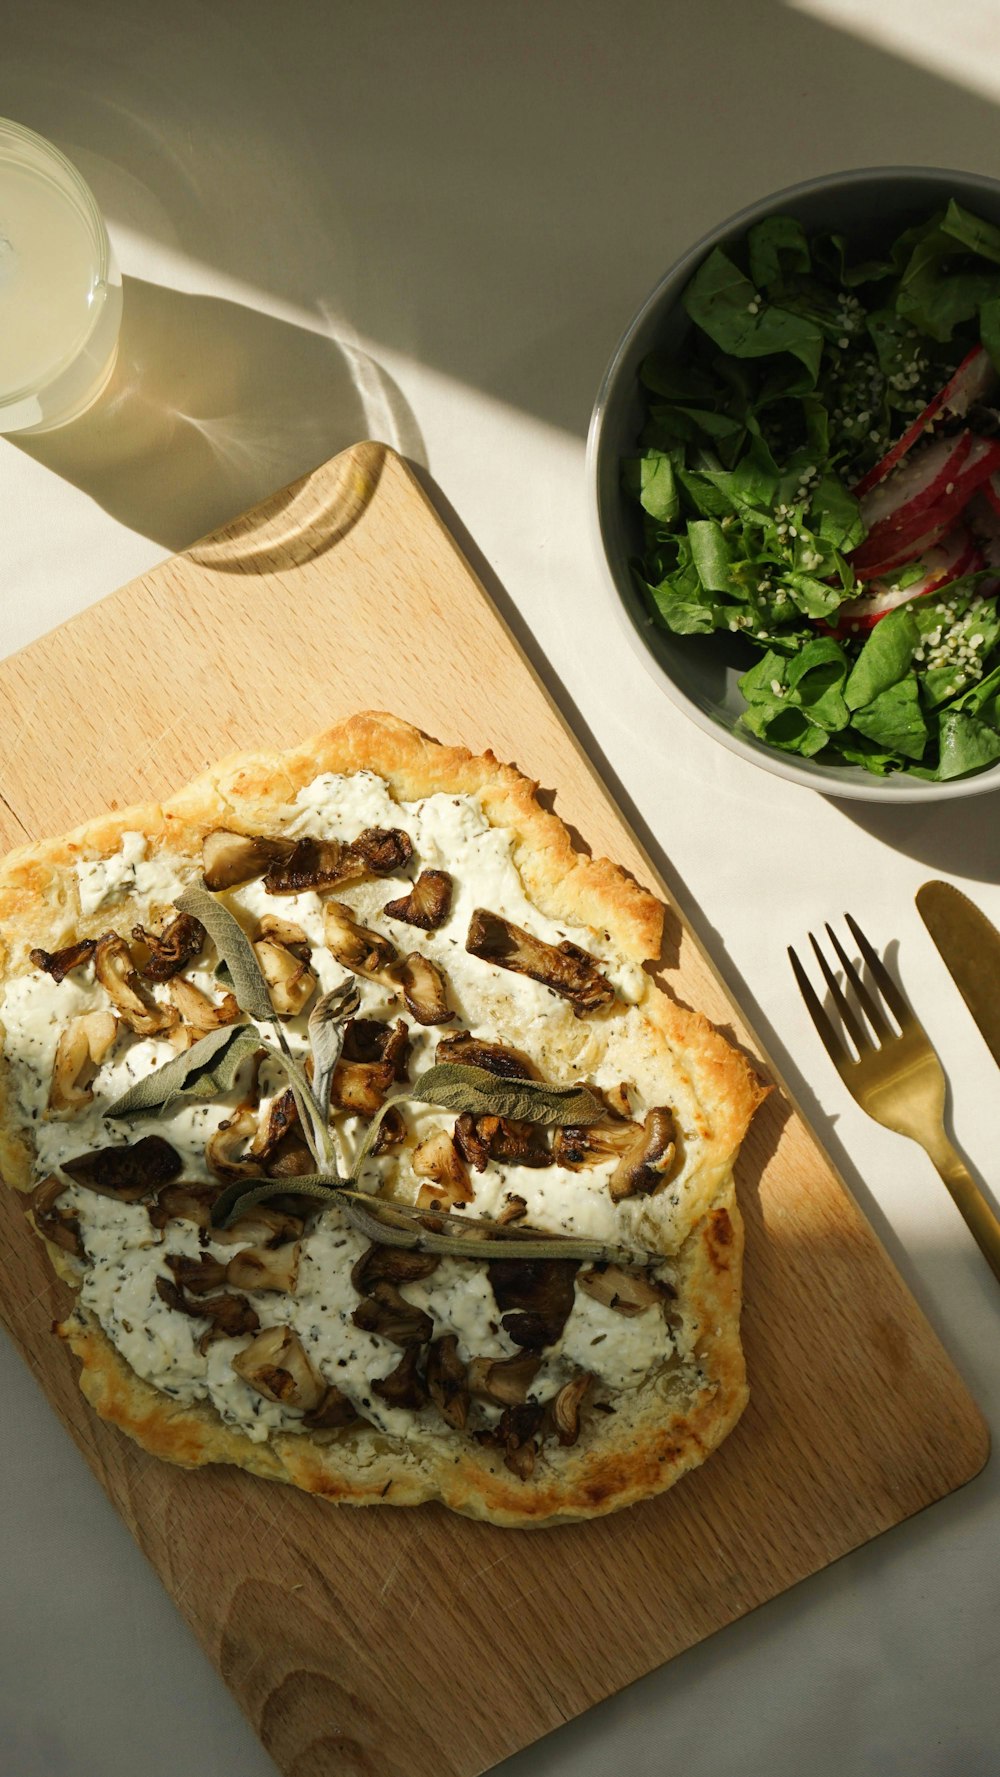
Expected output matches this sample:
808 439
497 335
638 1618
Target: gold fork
896 1076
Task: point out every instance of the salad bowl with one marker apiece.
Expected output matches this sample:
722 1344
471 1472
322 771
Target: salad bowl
701 672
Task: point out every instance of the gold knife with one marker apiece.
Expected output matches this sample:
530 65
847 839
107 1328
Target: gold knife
970 946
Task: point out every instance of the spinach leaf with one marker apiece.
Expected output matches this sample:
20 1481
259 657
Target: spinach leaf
895 719
725 304
885 658
967 744
778 248
710 554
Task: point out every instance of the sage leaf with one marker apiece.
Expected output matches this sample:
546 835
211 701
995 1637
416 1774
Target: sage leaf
205 1070
401 1224
326 1036
459 1088
234 948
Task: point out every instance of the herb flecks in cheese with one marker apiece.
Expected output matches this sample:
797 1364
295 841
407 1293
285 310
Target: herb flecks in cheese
126 1254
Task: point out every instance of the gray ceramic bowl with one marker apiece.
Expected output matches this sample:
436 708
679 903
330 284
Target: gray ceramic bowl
871 206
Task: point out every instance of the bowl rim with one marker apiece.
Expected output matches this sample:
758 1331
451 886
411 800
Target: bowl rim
889 792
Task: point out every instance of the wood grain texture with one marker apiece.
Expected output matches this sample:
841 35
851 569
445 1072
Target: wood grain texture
355 1640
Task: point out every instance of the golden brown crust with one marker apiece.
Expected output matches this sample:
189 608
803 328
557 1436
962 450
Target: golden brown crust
657 1432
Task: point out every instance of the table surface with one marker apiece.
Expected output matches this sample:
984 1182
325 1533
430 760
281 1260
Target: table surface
430 225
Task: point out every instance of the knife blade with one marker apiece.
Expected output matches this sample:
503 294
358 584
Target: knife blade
970 946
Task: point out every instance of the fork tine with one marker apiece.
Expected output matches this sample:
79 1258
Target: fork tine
852 1023
890 991
824 1029
872 1011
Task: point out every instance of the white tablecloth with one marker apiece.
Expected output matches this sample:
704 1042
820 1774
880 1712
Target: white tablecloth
429 223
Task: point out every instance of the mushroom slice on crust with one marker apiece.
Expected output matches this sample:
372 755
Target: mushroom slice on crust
198 1276
128 1173
404 1386
230 858
177 944
565 968
514 1210
564 1412
501 1059
290 1159
60 1226
82 1046
321 864
265 1268
276 1365
627 1292
482 1139
116 972
515 1433
223 1148
58 963
185 1201
447 1383
391 1264
438 1160
424 989
391 1132
504 1381
290 981
360 1086
355 946
282 1116
428 903
230 1317
286 932
540 1291
200 1014
390 1315
334 1410
576 1148
368 1039
262 1225
647 1163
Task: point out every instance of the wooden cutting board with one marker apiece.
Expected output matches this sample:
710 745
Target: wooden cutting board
380 1643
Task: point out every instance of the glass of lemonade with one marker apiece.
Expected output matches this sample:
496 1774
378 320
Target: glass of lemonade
60 289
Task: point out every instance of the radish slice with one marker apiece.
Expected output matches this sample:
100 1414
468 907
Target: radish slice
973 379
945 486
898 555
991 492
917 483
947 561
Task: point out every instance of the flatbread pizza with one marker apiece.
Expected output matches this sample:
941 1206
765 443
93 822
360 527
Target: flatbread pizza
378 1162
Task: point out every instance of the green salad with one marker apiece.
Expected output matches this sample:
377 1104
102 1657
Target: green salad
819 474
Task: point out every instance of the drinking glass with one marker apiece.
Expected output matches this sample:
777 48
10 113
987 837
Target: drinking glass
60 289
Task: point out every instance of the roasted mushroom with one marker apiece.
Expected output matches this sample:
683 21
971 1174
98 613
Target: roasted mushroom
501 1059
504 1381
564 1411
290 981
128 1172
367 1039
200 1276
517 1434
404 1386
565 968
230 1317
199 1013
334 1410
482 1139
627 1292
355 946
286 932
290 1159
184 1202
276 1365
447 1383
438 1160
282 1116
514 1210
392 1264
391 1132
540 1291
230 858
60 1226
59 963
265 1268
591 1146
428 903
225 1150
391 1316
261 1225
648 1162
360 1087
177 944
83 1044
116 972
424 989
322 864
